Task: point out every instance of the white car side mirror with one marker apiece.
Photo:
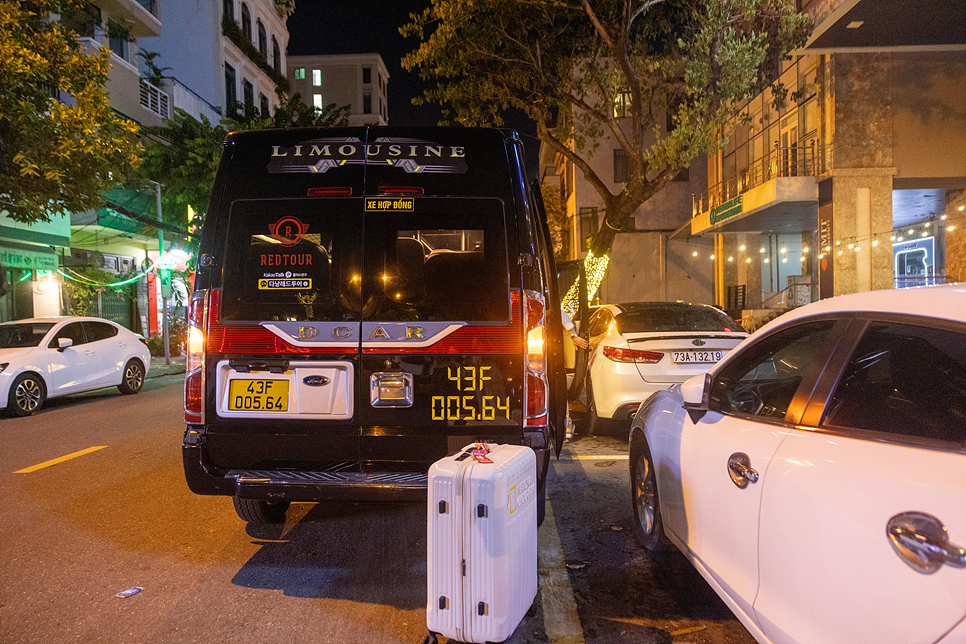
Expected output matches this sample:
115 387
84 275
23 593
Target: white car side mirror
696 394
63 343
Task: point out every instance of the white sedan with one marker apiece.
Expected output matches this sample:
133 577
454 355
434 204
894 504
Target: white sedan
641 347
43 358
816 477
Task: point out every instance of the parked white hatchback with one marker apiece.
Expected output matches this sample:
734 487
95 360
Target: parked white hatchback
43 358
816 477
637 348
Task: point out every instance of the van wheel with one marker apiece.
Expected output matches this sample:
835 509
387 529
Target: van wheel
648 527
541 501
27 394
132 378
260 510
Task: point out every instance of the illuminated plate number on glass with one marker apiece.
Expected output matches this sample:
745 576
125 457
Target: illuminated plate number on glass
258 395
695 357
470 404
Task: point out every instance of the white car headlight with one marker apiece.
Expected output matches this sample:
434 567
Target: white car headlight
3 365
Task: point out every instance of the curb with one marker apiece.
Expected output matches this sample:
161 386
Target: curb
159 368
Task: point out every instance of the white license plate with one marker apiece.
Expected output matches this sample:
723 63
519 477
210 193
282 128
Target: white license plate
258 395
695 357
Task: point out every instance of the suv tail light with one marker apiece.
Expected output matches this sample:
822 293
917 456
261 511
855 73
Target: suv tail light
536 380
194 382
619 354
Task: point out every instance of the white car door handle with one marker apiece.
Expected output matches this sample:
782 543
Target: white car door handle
739 469
921 541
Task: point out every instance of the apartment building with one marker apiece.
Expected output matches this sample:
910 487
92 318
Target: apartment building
646 262
230 54
38 258
358 80
849 175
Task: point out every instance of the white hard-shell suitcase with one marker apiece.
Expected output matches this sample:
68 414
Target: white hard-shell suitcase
482 542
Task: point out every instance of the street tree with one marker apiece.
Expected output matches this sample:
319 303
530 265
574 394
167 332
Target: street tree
583 69
183 154
61 144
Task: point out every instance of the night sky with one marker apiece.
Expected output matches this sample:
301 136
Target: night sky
366 26
361 27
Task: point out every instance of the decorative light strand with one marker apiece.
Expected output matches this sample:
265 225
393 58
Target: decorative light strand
84 280
594 269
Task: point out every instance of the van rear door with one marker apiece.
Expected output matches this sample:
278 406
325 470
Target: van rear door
442 338
284 334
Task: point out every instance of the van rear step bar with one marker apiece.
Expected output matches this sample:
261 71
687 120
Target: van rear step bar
329 486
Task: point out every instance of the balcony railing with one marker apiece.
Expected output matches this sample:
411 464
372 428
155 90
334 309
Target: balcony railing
808 160
154 100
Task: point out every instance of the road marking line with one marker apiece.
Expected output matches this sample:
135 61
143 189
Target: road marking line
560 619
39 466
598 457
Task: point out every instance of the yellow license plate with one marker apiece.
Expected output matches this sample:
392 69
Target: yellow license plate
258 395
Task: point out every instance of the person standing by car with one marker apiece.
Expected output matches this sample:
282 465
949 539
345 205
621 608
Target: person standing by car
570 358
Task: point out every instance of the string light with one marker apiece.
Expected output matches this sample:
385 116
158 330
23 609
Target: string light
84 280
595 268
905 234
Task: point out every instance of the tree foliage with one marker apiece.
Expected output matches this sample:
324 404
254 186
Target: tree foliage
183 154
61 144
583 69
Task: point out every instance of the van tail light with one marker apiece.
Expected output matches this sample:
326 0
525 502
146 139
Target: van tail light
619 354
194 382
536 381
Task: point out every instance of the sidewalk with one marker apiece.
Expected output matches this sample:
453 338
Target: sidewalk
159 368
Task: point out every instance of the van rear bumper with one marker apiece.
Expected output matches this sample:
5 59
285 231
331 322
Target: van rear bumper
329 486
336 485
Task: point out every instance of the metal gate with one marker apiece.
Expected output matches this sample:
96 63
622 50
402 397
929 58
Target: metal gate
115 306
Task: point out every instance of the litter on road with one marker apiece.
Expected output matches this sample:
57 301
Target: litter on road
124 594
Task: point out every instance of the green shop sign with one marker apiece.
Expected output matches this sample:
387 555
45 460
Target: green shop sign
726 210
27 259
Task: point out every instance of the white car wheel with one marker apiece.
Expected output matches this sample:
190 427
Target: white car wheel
648 527
27 394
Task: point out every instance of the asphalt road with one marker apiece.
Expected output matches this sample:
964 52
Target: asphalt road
118 514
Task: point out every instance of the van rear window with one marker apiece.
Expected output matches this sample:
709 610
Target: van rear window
328 260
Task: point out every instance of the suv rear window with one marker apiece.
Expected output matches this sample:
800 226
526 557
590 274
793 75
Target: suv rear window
327 260
675 318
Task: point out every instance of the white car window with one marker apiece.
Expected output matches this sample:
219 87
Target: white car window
762 381
904 380
100 331
74 331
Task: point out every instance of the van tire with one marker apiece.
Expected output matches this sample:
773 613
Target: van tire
260 510
541 501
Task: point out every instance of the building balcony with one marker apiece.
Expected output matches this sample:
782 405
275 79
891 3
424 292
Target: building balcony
799 161
777 193
142 17
154 100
